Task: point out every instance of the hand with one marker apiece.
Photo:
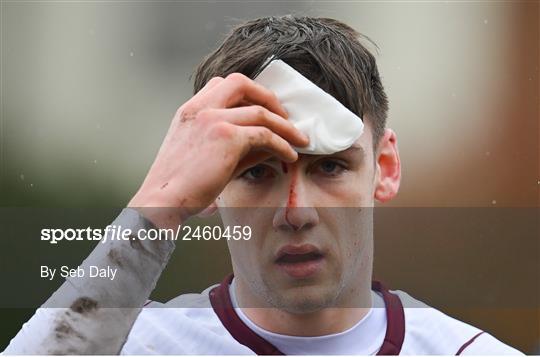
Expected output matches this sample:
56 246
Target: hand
231 124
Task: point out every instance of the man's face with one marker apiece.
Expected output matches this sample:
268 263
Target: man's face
311 225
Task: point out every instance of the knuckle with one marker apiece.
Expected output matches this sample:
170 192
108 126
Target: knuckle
265 134
259 111
180 110
185 113
222 131
204 115
215 80
237 78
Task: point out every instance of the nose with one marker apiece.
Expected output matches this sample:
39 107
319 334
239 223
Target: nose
297 212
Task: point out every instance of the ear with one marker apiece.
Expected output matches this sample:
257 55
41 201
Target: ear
208 211
388 168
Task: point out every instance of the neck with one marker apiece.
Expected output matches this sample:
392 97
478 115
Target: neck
325 321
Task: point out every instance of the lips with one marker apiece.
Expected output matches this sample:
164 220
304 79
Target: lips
300 261
298 258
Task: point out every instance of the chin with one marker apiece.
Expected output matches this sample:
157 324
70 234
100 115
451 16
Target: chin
304 299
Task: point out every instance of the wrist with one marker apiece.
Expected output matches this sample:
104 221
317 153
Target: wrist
161 211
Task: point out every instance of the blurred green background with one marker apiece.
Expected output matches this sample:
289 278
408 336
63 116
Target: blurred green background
88 90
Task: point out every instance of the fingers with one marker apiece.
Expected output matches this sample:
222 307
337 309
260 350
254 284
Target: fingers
189 109
256 115
237 88
261 138
243 103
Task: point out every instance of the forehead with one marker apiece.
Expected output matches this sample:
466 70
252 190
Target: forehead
361 147
358 151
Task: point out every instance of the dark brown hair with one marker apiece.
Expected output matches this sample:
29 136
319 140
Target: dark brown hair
325 51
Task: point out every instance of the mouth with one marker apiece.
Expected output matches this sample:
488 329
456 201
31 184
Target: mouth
300 261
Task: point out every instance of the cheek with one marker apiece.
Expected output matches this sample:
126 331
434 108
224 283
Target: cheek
241 253
350 233
354 189
259 221
245 256
361 236
229 196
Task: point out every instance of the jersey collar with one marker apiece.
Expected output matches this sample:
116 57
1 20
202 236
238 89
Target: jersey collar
222 305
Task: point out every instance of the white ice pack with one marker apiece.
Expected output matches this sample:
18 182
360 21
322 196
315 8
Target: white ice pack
330 126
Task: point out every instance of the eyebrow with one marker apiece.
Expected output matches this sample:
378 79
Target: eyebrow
357 147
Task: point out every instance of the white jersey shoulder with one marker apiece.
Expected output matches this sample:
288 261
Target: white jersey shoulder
188 325
429 331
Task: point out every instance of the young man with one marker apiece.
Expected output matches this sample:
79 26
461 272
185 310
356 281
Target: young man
303 283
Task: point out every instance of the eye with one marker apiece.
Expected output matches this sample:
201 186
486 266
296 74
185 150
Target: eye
257 173
330 167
